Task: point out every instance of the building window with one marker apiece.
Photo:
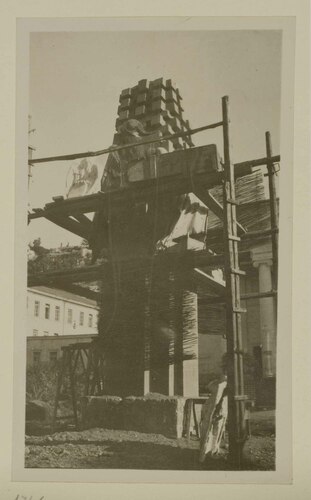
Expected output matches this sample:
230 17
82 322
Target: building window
36 356
53 356
45 334
37 308
69 315
81 321
57 313
35 333
47 311
90 320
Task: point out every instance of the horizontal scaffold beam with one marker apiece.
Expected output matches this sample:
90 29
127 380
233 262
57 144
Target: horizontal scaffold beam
112 149
189 260
178 172
136 192
247 296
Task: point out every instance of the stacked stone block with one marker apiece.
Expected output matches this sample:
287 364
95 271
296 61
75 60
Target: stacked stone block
157 105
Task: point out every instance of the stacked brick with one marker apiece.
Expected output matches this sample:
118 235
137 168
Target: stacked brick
157 105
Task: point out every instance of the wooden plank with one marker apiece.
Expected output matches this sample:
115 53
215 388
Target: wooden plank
258 295
206 300
69 224
208 282
79 345
76 206
190 174
58 198
247 296
258 235
138 192
210 201
84 220
258 162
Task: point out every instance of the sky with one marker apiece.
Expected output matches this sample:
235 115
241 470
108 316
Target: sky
75 79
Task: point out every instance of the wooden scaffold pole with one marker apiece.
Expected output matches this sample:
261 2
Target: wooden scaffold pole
273 209
236 397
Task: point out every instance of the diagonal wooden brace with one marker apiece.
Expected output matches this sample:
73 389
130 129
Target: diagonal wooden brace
210 201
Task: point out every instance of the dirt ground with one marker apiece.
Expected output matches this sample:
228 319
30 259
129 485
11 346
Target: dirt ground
116 449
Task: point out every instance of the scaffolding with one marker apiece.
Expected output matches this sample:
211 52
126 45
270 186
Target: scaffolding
70 214
86 358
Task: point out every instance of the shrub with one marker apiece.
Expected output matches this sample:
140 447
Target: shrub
41 382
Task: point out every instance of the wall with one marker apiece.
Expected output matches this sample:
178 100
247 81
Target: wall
61 326
47 345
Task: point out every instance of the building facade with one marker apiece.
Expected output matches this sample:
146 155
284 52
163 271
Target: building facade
56 318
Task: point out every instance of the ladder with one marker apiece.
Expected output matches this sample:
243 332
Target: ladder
237 400
236 396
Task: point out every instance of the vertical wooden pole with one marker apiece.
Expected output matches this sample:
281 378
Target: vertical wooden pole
30 151
71 367
147 333
273 210
236 397
88 371
60 378
29 167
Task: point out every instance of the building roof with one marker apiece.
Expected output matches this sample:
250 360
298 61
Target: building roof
64 295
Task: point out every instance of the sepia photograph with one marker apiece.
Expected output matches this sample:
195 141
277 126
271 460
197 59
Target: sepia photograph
151 337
